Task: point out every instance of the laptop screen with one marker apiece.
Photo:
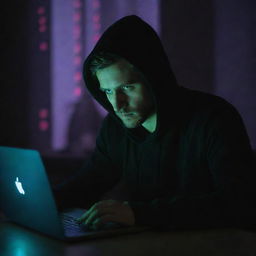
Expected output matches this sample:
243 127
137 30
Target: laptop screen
25 193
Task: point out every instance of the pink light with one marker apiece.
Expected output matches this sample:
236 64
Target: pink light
42 20
43 125
77 31
43 46
77 4
42 28
78 91
96 4
77 16
96 37
96 18
96 26
78 76
43 113
77 36
77 60
77 48
41 10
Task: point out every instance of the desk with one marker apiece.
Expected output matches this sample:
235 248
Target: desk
18 241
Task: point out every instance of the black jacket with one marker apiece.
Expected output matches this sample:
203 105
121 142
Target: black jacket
194 171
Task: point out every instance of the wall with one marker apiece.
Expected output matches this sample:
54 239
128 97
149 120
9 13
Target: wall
211 46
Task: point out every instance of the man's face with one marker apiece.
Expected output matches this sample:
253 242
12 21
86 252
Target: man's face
126 92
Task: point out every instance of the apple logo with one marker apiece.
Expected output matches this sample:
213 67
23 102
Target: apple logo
19 186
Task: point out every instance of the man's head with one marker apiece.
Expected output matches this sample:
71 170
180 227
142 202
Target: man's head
126 90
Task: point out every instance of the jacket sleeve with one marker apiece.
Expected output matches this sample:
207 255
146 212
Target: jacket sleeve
91 181
232 204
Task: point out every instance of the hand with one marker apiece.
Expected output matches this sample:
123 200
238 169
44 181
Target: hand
108 211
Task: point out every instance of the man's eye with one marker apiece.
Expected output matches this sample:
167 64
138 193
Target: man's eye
127 87
108 91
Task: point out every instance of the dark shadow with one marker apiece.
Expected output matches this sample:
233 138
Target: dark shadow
14 97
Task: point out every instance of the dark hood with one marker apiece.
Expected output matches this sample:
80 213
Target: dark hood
137 42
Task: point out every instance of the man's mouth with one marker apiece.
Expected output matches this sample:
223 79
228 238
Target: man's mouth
126 115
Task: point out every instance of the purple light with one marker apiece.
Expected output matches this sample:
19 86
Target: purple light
96 18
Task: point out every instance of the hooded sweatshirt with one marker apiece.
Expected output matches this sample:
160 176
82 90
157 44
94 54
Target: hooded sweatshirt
195 169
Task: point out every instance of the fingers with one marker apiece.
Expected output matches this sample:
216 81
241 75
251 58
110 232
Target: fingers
97 210
99 222
83 217
94 215
108 211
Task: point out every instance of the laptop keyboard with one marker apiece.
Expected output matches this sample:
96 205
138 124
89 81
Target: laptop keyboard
70 224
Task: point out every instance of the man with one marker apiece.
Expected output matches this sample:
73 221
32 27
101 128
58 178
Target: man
166 156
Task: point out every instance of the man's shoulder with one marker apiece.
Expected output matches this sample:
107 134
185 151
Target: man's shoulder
204 102
205 108
207 98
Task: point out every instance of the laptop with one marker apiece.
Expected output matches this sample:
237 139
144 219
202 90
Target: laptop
26 199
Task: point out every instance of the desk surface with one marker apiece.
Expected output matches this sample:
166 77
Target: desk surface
15 240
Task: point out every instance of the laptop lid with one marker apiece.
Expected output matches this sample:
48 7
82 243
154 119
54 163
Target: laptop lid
25 194
26 197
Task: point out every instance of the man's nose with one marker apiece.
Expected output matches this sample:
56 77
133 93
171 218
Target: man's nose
119 100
